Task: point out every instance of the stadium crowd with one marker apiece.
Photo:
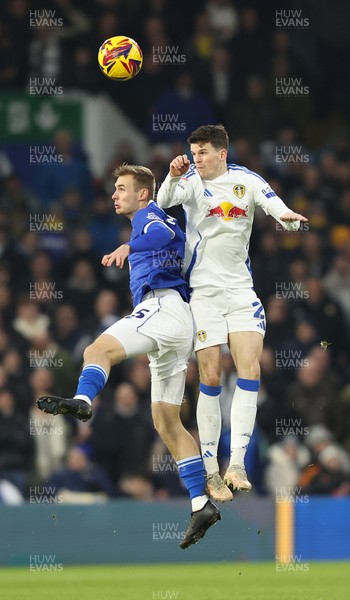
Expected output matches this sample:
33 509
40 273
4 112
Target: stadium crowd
55 297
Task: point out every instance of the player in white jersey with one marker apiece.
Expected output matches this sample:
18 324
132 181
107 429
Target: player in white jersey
219 201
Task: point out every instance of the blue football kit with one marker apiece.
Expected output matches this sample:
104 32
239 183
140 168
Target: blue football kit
157 253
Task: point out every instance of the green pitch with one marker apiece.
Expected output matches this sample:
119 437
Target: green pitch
241 581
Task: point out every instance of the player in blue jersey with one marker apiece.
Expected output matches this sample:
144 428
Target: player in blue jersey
160 325
219 200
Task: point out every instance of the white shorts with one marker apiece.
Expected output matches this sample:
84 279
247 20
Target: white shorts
216 314
161 326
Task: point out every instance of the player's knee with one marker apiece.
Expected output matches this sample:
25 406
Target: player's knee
102 349
249 371
210 378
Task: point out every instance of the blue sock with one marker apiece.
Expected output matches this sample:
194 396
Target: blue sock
92 380
192 471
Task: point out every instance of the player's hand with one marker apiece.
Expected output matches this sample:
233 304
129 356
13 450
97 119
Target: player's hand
118 256
179 166
292 216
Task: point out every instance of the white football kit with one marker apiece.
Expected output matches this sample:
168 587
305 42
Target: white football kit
159 326
219 217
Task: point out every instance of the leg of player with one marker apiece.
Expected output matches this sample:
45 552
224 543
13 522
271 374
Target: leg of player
209 419
246 349
99 357
166 419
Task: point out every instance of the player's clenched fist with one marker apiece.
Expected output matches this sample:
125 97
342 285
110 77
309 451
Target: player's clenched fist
179 166
118 256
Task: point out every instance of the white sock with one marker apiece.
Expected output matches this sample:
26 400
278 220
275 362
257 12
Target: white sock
82 397
209 425
243 413
199 502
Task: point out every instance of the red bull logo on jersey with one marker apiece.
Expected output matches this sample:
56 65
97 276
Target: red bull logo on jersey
227 211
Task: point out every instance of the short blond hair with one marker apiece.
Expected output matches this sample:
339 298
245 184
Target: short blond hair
143 177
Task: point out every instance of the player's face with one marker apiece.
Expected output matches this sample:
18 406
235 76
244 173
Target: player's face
126 197
210 162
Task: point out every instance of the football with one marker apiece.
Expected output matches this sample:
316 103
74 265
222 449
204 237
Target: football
120 58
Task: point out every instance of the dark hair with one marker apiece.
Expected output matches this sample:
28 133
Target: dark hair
143 177
215 134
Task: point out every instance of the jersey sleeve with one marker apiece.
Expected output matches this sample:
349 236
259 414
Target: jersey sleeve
156 235
148 222
267 199
176 190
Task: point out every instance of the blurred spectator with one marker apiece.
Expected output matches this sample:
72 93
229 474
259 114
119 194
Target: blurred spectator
67 332
329 475
326 314
255 115
70 173
249 46
122 437
81 287
80 481
280 326
180 111
313 397
16 445
30 321
45 352
106 311
104 227
138 374
337 283
50 435
269 267
223 19
10 494
286 459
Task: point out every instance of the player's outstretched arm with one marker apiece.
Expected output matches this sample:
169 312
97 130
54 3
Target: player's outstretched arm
118 256
291 220
158 238
172 192
292 216
272 205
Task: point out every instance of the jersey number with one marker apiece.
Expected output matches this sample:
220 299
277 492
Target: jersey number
139 315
